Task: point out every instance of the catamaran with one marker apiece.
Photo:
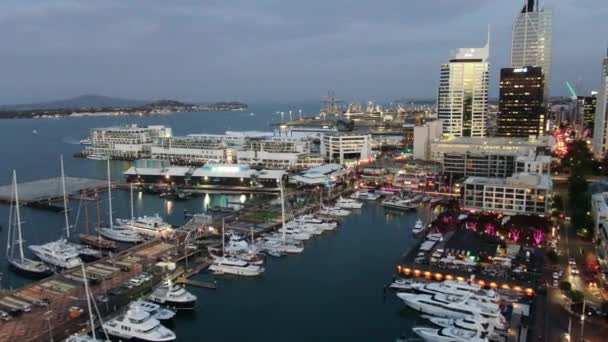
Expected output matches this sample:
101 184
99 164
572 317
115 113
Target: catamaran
120 234
20 263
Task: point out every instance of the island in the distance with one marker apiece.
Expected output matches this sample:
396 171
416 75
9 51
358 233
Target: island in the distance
96 105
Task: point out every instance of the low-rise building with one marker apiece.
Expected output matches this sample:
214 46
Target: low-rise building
197 148
125 142
321 175
522 193
423 136
346 148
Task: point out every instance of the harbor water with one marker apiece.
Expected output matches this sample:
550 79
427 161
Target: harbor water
334 291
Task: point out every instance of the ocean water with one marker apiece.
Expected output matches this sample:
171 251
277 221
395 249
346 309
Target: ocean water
331 292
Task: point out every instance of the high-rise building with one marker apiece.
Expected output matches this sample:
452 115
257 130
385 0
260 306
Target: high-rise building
600 131
585 113
520 108
532 40
462 102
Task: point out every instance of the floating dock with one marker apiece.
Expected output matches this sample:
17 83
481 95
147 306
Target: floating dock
44 193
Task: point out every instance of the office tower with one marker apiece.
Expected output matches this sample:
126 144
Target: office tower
520 108
600 140
585 113
462 102
532 40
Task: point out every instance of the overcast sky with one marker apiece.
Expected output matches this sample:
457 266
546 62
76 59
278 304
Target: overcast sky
271 49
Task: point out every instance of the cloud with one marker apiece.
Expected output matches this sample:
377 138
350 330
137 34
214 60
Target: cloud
265 49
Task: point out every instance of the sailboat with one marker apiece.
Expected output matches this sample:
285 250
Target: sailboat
95 240
117 233
62 253
21 264
151 226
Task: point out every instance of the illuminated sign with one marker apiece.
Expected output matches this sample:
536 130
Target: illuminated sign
520 70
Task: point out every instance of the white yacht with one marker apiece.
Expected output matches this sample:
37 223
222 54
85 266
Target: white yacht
252 258
447 306
174 296
399 204
470 323
310 228
294 233
402 284
120 234
450 287
96 156
364 195
138 324
334 211
418 227
157 311
152 226
348 203
231 265
309 219
57 253
278 246
451 334
83 338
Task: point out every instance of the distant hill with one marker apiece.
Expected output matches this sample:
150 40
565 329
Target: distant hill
83 101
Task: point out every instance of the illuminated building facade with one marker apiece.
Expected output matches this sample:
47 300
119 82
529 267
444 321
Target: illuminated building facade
520 110
462 99
532 41
600 131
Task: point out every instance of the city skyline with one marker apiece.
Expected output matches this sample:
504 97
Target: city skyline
269 50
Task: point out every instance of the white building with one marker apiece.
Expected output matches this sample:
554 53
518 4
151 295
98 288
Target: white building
533 40
462 102
197 148
523 193
125 142
493 145
423 136
600 128
278 153
346 148
599 212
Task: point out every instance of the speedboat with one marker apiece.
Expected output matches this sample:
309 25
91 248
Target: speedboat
348 203
231 265
334 211
174 296
157 311
138 324
120 234
57 253
448 306
153 226
364 195
451 334
418 227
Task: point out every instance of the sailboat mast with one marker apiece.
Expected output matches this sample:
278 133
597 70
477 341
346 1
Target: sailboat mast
86 213
65 201
10 251
18 214
223 238
86 292
110 196
131 190
282 209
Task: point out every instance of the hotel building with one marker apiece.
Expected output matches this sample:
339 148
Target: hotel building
125 142
346 148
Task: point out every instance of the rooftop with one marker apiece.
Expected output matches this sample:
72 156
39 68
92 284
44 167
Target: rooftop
498 141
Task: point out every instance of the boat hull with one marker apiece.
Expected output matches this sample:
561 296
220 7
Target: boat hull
17 268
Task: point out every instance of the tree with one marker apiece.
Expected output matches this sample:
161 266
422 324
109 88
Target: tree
565 286
579 157
552 256
558 203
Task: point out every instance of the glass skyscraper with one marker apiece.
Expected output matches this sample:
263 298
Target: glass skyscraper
532 40
463 93
600 131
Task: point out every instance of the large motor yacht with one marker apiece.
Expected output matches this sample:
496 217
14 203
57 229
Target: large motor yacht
157 311
174 296
137 324
448 306
451 334
231 265
57 253
152 226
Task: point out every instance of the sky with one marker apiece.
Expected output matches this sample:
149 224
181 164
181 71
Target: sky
272 50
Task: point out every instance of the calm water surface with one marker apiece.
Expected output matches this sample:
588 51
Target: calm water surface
331 292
